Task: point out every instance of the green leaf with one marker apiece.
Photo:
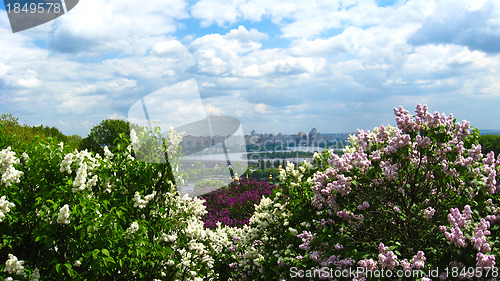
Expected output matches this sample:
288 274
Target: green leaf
58 268
68 266
95 253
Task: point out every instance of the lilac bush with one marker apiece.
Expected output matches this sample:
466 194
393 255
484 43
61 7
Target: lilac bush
235 204
395 196
74 215
417 197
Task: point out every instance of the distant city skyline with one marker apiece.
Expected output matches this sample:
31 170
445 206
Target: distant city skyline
313 138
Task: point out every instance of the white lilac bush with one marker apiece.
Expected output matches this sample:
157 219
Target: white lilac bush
72 215
419 199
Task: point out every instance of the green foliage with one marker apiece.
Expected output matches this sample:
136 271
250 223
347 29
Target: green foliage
72 215
83 217
490 143
262 174
279 155
15 134
209 183
104 134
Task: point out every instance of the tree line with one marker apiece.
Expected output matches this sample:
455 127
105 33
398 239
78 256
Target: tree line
105 133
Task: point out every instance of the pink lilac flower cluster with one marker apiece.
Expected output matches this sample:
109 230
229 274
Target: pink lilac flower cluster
338 178
479 240
389 171
490 171
396 142
429 212
344 214
457 221
418 261
367 265
386 258
424 117
307 238
484 260
364 206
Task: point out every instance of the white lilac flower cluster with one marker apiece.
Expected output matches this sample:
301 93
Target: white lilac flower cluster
108 155
85 168
294 176
269 215
134 140
14 266
142 203
201 243
173 140
63 216
35 275
5 207
7 161
133 228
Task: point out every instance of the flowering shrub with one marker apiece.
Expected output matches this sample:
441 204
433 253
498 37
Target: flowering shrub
419 196
72 215
235 204
392 200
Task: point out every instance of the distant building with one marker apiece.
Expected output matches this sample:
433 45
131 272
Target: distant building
313 138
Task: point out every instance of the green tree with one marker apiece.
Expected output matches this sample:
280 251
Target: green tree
74 141
15 134
8 120
104 134
490 143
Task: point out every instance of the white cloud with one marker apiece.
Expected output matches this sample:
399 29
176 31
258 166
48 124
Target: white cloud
261 108
284 66
28 83
212 110
105 26
73 104
169 48
4 69
214 11
208 84
220 54
317 47
473 25
243 35
117 116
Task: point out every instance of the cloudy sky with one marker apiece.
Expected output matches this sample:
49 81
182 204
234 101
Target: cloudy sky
278 66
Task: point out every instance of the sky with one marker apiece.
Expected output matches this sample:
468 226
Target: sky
277 66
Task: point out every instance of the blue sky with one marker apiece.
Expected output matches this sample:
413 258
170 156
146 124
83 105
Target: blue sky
278 66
